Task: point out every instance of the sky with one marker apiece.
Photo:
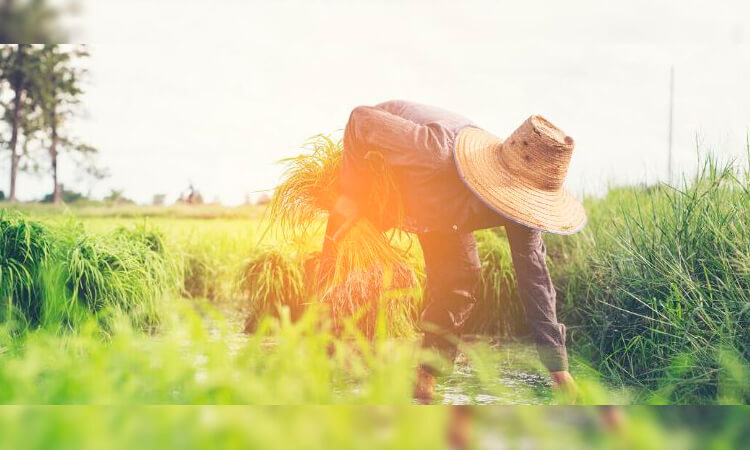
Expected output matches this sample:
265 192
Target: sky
215 93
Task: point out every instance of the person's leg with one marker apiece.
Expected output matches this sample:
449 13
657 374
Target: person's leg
452 266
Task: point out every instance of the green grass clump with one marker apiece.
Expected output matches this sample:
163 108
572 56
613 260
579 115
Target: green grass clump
25 251
499 310
126 271
273 279
657 290
58 276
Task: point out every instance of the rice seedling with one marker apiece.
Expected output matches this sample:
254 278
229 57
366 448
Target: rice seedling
375 297
25 250
365 257
272 280
311 186
120 271
57 277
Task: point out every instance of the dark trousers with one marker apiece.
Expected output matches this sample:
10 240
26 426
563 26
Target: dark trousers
453 276
453 271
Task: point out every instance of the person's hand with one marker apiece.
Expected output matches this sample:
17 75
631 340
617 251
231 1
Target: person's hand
563 383
348 211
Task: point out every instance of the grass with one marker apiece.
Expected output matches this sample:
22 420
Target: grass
499 309
59 276
394 427
272 280
656 290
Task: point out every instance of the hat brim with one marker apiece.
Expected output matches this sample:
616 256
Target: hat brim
476 153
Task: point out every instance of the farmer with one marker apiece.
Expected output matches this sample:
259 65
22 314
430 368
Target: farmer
453 178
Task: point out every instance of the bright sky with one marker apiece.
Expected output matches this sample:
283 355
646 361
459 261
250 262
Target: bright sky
216 92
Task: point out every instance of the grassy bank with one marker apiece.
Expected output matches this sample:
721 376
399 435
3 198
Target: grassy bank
656 291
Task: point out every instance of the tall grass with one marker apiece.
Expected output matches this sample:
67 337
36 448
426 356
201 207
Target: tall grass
658 292
499 310
59 276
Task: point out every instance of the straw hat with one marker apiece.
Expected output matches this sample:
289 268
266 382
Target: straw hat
522 177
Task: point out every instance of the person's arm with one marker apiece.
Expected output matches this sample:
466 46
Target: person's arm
372 133
400 141
538 295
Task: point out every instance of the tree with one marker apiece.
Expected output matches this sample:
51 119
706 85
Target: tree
30 21
57 91
117 197
18 66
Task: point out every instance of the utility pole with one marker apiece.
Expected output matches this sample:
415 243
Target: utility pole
671 115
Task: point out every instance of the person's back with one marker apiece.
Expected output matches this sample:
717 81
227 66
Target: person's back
416 142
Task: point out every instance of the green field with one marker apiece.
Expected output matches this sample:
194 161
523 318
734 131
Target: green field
122 305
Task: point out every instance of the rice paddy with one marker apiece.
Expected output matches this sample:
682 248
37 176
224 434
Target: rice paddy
193 308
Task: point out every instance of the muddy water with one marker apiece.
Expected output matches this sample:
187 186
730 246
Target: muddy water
513 386
515 383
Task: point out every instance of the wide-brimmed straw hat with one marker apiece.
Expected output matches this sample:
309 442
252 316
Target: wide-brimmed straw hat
522 177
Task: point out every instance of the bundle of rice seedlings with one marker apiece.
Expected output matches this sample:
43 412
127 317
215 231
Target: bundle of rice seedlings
376 297
365 257
272 280
25 249
57 277
311 186
120 271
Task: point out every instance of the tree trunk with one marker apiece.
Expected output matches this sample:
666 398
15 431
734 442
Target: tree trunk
14 156
57 193
18 88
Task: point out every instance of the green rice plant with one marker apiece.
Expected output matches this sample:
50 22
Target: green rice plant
60 276
499 310
149 236
212 254
199 277
273 279
117 271
310 185
26 248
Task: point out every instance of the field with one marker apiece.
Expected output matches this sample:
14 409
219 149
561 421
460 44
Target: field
121 305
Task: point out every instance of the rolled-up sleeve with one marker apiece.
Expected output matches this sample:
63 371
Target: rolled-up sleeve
538 295
372 132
